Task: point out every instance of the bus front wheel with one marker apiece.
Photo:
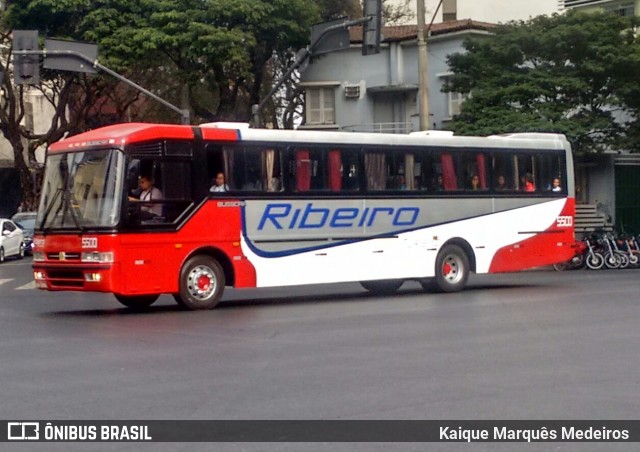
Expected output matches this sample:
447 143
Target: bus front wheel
201 283
452 269
137 301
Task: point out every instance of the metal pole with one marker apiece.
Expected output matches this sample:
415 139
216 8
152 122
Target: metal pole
423 79
184 113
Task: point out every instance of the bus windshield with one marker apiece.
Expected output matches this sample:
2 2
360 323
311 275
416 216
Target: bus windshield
81 190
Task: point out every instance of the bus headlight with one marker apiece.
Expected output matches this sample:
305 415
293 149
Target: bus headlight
96 256
39 275
92 277
38 256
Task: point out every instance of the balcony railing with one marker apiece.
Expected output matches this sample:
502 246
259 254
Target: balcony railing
578 3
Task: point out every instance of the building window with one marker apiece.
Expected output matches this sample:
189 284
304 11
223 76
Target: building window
454 100
624 10
455 103
320 105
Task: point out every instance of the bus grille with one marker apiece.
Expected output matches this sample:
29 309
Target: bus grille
63 256
65 278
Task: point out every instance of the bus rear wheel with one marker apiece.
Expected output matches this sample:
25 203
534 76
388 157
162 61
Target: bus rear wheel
385 287
452 269
137 301
201 283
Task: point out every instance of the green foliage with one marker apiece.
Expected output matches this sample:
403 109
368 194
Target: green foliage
573 74
222 47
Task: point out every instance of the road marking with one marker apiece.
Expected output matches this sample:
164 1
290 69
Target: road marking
31 285
2 281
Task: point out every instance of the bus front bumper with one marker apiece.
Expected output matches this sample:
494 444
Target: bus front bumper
80 277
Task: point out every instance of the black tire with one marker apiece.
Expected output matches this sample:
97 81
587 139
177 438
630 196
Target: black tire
2 255
429 284
612 261
452 269
201 283
384 287
137 302
562 266
624 260
577 262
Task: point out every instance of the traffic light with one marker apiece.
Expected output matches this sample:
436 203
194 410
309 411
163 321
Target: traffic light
371 28
26 68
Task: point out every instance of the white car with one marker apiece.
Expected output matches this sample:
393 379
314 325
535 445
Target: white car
11 240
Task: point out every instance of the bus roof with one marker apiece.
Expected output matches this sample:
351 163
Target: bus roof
127 133
121 134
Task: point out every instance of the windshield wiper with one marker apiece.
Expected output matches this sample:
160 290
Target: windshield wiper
50 207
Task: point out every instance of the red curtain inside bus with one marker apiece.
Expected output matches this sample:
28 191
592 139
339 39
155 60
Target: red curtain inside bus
303 170
482 172
448 172
335 178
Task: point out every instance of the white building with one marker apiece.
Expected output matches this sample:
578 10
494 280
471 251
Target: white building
493 11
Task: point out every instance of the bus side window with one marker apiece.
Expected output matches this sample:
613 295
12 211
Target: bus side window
215 158
272 170
335 166
552 178
176 189
449 180
302 170
502 172
350 171
472 173
375 170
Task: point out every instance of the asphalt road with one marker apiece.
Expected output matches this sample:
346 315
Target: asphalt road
533 345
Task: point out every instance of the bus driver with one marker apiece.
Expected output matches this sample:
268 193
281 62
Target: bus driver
148 193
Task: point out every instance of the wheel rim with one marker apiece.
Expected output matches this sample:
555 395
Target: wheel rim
595 261
452 269
201 283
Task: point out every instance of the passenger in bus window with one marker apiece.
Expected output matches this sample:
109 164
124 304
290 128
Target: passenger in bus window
556 185
148 193
274 184
252 186
475 183
252 181
502 183
401 182
438 184
529 186
219 184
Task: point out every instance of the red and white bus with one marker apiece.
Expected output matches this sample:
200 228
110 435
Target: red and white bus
297 207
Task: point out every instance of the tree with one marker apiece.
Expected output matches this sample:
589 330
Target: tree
397 13
333 9
217 51
560 73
